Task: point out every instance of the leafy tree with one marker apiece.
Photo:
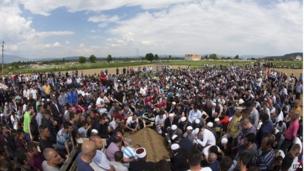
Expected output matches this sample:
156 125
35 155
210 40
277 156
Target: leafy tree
213 56
170 57
236 57
109 58
156 57
82 59
92 58
149 57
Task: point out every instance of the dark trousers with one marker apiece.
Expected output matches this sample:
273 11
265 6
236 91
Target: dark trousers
286 145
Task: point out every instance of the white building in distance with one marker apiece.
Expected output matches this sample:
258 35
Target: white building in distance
193 57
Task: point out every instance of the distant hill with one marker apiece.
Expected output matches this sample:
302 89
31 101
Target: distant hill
290 56
13 58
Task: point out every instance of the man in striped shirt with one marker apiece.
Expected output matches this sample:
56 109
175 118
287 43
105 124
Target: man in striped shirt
266 154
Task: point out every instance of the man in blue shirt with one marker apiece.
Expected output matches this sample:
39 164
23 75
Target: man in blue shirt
83 160
266 128
72 97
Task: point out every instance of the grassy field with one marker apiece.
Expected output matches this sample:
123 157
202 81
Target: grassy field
67 66
276 64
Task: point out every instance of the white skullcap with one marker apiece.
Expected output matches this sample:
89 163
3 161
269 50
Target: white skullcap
280 153
210 124
241 101
276 131
174 146
239 108
173 127
195 131
197 121
224 140
94 131
183 119
171 114
173 103
141 152
217 119
189 128
174 137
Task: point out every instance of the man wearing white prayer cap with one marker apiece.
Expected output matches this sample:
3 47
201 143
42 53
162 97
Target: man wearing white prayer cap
141 152
175 147
189 128
173 138
241 101
183 119
170 121
188 134
141 163
178 160
194 114
210 124
94 132
173 127
224 140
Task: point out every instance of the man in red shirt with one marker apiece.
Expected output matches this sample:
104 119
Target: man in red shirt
292 130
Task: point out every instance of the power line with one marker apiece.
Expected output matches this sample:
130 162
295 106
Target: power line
2 57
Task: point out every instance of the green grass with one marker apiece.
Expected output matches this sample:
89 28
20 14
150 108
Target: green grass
55 67
276 64
73 66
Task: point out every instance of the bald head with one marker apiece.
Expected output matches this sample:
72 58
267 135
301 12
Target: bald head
52 157
48 152
99 142
88 150
88 147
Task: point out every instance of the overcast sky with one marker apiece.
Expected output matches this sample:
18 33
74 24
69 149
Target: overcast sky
58 28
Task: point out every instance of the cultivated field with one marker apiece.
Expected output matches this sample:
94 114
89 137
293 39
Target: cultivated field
94 68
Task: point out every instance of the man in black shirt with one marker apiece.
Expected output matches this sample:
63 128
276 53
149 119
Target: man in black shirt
291 159
141 164
45 140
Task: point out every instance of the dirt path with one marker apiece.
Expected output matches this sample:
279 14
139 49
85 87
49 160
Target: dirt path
295 72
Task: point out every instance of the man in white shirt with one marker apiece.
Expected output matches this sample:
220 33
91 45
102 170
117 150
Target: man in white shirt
101 102
205 137
160 122
52 160
194 114
117 164
100 160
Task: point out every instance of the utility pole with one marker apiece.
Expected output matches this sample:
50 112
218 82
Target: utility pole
2 57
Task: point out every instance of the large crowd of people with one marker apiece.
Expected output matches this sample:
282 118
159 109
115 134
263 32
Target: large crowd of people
212 119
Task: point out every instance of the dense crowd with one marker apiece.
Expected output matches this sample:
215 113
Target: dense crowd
212 118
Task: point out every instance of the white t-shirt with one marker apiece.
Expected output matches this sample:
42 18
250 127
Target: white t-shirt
131 121
204 169
100 101
194 115
46 167
208 138
100 162
160 121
